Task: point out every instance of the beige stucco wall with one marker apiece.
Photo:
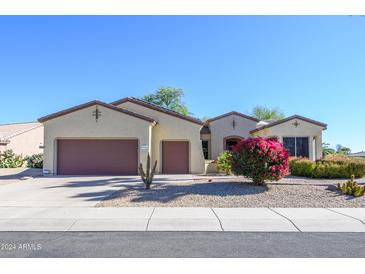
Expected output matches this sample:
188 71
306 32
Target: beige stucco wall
172 128
304 129
27 143
223 128
82 125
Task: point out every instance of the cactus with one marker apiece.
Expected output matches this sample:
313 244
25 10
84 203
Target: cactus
349 191
339 186
351 187
344 189
357 191
147 177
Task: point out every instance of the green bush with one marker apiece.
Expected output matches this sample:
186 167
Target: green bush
34 161
224 163
331 171
332 168
302 167
8 159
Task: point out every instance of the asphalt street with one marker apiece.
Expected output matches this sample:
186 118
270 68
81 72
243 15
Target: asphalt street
181 245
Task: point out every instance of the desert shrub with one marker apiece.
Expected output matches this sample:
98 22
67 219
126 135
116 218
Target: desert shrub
301 167
332 167
340 167
8 159
330 170
34 161
261 159
224 163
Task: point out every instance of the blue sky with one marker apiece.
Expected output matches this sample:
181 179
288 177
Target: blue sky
312 66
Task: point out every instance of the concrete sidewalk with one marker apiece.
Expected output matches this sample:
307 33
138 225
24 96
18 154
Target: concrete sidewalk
183 219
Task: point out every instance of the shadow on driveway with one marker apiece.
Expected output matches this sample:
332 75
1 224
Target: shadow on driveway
20 173
164 190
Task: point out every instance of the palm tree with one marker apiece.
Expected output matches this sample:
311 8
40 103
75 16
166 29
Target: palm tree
267 114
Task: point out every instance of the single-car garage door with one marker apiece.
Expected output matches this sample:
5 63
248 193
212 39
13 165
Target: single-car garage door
97 157
175 157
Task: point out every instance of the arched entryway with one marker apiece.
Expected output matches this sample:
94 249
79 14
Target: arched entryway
230 141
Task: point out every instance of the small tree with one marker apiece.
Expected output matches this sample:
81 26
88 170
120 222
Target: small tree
343 150
261 159
170 98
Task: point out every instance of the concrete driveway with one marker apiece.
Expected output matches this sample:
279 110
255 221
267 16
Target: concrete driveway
68 191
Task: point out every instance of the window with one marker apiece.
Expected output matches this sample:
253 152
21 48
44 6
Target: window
205 145
230 143
297 146
289 144
302 147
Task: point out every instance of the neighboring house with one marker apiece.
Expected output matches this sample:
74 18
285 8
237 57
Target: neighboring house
358 154
23 138
97 138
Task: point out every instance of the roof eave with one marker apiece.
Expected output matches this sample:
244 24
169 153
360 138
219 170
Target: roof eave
324 126
233 113
157 108
92 103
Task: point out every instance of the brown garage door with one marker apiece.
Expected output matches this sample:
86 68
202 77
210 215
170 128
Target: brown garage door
175 157
97 157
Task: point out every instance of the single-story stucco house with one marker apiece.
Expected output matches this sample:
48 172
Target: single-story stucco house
357 154
98 138
23 139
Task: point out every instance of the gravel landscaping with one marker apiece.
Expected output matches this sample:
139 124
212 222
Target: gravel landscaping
224 191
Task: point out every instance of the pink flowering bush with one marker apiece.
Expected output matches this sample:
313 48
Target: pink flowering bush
261 159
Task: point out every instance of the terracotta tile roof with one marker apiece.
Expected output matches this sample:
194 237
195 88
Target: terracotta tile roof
157 108
288 119
234 113
8 131
92 103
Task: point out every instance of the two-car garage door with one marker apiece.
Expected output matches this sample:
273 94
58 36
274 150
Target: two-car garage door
115 157
97 157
